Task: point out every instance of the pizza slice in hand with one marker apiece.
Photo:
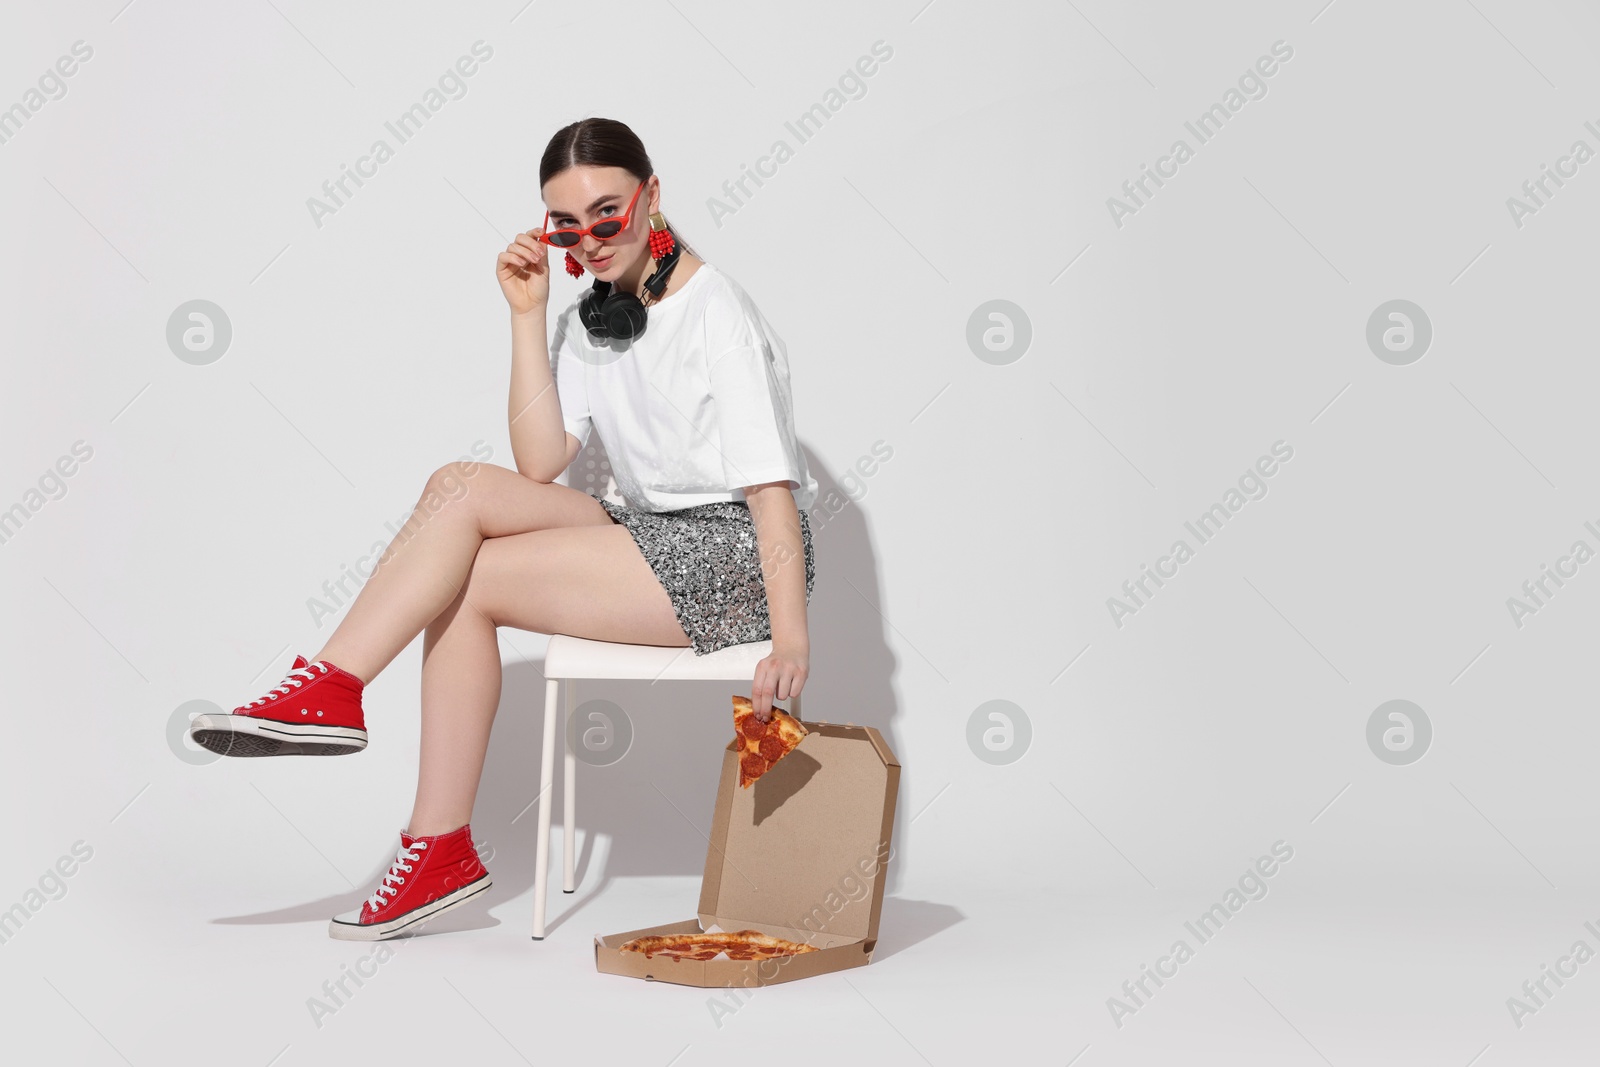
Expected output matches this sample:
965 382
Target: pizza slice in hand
761 744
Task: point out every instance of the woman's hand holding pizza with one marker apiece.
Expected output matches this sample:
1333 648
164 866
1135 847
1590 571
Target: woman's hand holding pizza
524 273
780 675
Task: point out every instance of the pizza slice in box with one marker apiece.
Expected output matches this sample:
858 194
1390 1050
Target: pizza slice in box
738 945
762 744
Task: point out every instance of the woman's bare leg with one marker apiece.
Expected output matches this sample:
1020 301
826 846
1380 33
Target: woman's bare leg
423 569
460 693
588 581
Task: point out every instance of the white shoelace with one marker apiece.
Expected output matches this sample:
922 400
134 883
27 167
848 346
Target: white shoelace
290 682
402 862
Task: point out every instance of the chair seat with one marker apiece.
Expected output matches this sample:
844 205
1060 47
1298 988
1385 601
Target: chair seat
579 657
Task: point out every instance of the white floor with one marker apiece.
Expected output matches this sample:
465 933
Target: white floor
964 972
196 930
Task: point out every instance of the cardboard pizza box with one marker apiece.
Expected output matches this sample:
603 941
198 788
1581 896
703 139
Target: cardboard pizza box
801 854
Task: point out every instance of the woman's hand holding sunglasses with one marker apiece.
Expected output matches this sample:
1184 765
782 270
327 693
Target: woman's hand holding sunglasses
524 273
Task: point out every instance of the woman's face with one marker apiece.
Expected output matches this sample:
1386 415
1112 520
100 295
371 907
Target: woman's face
581 196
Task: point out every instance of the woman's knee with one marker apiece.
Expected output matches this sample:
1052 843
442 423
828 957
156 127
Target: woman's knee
450 482
449 488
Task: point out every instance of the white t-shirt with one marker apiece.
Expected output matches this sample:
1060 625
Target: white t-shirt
693 409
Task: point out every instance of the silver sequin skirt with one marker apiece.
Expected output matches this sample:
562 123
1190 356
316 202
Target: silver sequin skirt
707 559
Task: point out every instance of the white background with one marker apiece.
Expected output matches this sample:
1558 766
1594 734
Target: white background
1167 354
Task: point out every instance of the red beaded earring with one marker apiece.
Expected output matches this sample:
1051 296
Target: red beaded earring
573 268
661 240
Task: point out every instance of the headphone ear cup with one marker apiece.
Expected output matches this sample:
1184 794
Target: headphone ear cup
589 312
623 315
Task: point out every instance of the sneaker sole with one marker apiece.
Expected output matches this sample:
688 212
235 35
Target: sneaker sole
242 735
353 931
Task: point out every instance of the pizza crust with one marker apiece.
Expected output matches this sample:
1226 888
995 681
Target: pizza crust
737 945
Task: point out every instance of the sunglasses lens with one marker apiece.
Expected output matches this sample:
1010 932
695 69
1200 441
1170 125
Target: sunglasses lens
563 238
606 229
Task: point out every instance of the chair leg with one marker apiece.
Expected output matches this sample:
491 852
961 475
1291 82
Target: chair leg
547 766
569 781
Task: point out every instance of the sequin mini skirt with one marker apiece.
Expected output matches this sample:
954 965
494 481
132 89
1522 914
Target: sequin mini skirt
707 559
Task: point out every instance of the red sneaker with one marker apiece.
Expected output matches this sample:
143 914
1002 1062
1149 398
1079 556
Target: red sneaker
430 875
314 711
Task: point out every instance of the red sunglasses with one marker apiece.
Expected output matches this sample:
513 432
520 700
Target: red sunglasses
603 230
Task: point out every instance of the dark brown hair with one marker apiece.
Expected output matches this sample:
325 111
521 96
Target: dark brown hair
597 142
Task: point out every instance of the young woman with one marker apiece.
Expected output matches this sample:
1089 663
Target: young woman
712 549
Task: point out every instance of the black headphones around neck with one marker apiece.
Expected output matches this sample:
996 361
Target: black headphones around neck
623 316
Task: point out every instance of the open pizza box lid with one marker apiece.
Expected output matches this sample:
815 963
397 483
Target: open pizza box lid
801 855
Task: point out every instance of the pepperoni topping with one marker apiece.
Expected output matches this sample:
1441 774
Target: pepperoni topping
739 945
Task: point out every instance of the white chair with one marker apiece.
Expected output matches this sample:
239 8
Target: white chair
571 659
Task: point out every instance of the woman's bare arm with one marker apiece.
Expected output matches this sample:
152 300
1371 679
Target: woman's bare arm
783 569
540 443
